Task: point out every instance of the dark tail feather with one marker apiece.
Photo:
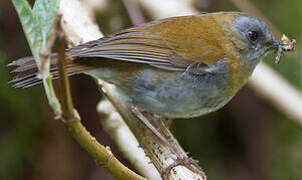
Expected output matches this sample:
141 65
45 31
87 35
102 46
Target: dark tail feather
26 71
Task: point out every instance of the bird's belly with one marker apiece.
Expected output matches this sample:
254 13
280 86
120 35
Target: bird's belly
170 94
177 94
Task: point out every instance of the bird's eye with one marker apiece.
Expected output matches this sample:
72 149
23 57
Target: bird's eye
253 35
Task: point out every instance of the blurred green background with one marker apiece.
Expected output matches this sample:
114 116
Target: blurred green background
247 139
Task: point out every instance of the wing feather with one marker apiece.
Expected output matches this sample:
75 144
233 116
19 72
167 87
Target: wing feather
133 45
166 44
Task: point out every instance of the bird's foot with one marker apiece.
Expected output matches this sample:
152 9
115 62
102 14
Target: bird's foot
188 162
181 159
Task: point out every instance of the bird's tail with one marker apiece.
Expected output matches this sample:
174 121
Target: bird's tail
26 70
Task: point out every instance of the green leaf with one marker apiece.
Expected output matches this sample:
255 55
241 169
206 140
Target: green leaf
37 25
31 27
45 11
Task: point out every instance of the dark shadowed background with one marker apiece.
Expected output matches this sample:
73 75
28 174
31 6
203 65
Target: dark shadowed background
247 139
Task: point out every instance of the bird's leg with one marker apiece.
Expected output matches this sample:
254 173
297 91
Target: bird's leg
168 122
180 158
147 123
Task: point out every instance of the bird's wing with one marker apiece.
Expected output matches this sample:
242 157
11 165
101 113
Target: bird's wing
131 45
153 43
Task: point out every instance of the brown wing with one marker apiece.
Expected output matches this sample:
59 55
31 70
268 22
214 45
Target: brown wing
133 45
172 43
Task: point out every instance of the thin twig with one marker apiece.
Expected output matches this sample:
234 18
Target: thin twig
134 12
68 112
71 119
127 143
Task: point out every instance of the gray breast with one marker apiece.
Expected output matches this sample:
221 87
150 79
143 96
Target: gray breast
180 94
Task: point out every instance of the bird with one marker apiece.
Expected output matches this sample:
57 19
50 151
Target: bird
178 67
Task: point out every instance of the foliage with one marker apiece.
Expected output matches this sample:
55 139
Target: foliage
37 26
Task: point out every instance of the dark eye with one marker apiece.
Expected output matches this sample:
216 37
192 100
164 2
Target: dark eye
253 35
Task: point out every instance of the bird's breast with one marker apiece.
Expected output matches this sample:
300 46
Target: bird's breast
178 94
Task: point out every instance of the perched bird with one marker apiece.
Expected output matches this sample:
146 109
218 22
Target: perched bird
179 67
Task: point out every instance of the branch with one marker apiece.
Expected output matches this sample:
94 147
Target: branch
72 121
127 143
134 12
155 149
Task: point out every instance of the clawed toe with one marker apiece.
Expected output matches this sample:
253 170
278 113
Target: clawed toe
189 163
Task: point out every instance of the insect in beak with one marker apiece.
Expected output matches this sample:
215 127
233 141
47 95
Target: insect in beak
284 45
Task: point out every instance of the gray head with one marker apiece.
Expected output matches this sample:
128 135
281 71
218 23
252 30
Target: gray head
257 37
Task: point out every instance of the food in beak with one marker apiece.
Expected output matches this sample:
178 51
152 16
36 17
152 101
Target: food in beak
285 45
